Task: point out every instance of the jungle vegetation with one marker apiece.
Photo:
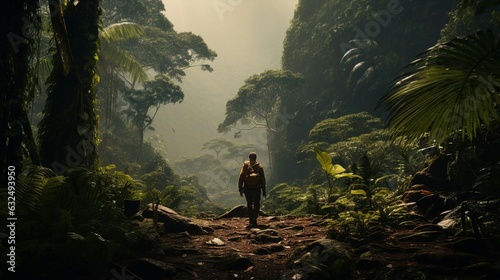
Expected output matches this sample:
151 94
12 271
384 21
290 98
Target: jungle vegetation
365 99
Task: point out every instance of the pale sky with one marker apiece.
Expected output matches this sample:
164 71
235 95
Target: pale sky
248 38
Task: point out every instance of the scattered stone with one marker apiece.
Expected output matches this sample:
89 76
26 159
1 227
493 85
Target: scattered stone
215 242
447 224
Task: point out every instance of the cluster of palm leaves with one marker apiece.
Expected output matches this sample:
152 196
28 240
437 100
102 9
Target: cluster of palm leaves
452 90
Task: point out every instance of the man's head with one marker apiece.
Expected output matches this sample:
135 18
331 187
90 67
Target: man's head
252 156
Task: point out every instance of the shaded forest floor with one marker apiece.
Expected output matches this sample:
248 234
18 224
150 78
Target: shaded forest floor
232 251
241 256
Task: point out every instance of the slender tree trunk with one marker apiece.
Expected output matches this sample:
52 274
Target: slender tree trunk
141 143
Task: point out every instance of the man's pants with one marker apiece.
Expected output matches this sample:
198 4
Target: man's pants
253 203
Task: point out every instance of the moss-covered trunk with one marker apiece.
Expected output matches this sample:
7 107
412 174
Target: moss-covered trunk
68 131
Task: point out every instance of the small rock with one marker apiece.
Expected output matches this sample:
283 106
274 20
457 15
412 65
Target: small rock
447 224
215 242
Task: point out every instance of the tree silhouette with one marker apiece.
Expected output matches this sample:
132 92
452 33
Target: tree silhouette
155 94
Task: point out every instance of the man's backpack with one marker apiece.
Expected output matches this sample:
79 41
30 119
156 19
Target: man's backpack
252 175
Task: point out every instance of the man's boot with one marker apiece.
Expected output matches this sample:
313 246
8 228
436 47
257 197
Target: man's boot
255 215
250 219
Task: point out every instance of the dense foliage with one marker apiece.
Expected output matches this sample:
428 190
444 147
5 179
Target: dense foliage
385 38
438 137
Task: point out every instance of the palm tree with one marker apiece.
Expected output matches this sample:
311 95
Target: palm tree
452 91
116 63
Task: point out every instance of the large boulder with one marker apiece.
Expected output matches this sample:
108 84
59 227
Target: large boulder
175 222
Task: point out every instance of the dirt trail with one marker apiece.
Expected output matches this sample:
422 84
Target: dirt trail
197 259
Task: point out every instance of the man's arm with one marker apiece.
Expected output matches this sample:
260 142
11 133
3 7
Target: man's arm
241 179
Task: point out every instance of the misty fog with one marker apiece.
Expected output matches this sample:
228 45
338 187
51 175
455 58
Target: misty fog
248 38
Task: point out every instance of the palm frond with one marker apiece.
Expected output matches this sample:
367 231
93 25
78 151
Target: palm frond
44 68
124 61
121 31
453 90
39 187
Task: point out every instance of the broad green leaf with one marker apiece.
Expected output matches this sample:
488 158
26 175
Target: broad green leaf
358 192
324 159
348 175
336 169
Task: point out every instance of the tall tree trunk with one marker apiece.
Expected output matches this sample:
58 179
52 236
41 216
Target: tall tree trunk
18 25
68 130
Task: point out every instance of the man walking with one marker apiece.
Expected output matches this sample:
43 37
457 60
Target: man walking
250 183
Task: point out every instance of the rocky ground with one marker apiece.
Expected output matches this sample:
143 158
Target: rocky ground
288 247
